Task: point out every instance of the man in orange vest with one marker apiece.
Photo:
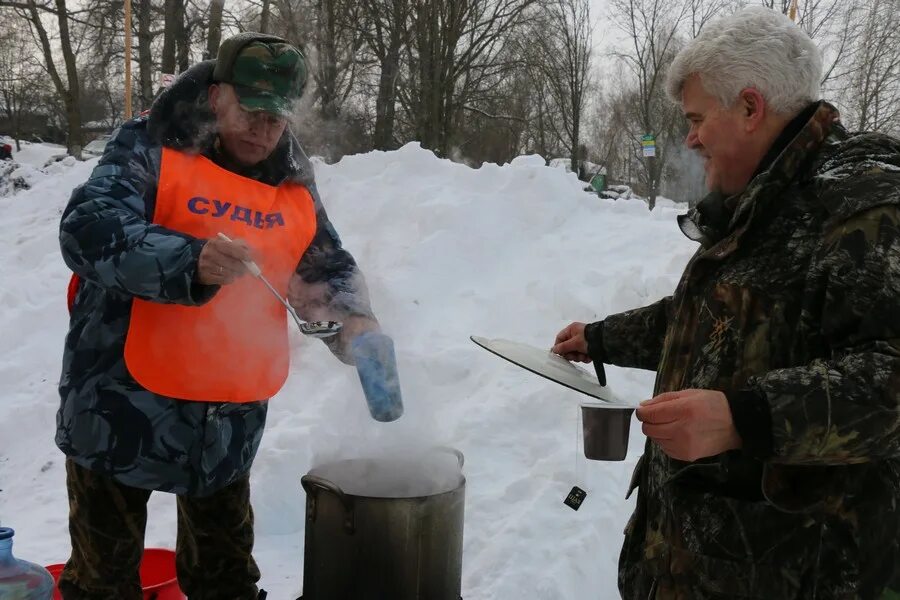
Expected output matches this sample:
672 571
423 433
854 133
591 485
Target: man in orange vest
173 350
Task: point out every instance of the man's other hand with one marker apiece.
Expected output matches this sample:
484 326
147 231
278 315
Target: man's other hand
690 424
571 345
354 326
220 261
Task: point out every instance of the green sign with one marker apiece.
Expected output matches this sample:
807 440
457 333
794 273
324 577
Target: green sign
648 144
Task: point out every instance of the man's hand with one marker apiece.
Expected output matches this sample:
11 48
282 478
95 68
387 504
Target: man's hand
690 424
220 261
341 344
355 325
571 345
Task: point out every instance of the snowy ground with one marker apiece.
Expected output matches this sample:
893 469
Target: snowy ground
36 154
516 251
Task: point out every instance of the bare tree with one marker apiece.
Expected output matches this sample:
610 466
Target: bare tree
337 42
609 112
290 19
826 22
69 90
144 53
565 38
175 37
700 12
451 59
264 16
874 69
19 78
383 26
216 7
652 28
103 44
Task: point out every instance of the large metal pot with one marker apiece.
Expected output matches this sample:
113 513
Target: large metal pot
385 529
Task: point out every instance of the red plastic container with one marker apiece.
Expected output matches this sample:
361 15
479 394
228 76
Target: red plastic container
158 578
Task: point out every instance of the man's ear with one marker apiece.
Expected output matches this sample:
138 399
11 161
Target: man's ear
213 95
753 108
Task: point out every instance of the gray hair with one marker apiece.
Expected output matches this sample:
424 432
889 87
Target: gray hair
754 48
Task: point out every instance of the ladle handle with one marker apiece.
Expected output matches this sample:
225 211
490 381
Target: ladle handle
313 484
251 266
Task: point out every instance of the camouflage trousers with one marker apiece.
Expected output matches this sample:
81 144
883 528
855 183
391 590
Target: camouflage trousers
106 525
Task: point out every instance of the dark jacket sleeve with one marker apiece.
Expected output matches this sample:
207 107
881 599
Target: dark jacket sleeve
633 338
846 408
107 236
329 285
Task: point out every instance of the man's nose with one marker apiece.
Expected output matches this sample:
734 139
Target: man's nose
692 141
260 123
257 123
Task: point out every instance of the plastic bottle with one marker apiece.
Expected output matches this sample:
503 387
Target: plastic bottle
20 579
377 368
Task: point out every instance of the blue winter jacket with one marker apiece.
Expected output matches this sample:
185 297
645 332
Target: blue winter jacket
107 422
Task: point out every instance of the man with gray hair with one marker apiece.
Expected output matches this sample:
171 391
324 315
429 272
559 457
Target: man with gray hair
772 468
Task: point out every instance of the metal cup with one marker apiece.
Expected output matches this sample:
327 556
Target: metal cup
605 431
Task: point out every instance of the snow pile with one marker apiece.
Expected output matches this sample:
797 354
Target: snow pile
515 251
31 165
37 154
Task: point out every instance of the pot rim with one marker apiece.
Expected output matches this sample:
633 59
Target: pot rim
319 473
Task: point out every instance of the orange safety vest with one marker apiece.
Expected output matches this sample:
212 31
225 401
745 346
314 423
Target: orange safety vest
235 347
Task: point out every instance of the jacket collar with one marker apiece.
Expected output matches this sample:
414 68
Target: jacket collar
717 216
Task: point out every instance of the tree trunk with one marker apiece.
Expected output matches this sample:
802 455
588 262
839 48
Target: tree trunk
17 127
216 7
12 99
169 33
430 91
73 103
264 17
145 57
385 104
327 50
386 34
69 95
573 151
182 40
653 181
175 42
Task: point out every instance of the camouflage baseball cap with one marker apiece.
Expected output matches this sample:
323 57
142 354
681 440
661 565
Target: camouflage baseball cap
268 74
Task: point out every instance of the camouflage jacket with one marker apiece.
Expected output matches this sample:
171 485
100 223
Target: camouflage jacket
792 309
106 421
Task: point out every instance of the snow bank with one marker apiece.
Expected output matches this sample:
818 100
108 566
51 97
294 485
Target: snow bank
516 251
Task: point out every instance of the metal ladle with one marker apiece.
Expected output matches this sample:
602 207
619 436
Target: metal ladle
317 329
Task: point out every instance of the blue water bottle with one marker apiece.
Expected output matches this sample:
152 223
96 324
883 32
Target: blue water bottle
20 579
373 353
